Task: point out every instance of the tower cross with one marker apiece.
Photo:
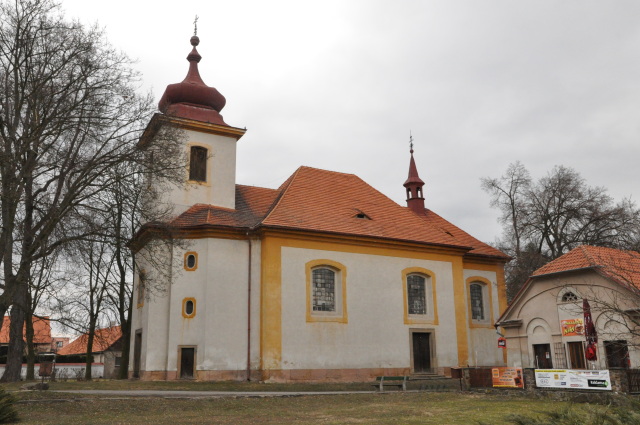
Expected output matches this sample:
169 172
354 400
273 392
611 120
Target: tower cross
195 26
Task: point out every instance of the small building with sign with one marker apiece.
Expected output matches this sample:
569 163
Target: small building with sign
544 324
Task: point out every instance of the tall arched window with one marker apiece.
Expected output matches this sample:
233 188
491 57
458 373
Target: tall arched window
477 301
416 294
324 289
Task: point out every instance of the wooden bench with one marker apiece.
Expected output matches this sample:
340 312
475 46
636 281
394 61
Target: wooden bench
391 381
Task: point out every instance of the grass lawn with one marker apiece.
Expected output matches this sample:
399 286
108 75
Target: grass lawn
47 407
391 408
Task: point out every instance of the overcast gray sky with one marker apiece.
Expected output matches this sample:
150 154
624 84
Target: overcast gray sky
339 84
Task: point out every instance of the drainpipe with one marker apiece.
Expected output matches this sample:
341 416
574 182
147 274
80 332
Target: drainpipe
249 310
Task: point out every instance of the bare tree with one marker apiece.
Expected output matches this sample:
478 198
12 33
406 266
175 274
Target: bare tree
69 112
543 220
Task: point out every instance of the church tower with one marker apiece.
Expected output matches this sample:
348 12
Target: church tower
210 143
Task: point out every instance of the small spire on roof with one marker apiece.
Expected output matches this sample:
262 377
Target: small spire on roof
413 185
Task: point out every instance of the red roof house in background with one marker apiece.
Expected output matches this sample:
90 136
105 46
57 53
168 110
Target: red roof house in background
41 333
107 348
545 326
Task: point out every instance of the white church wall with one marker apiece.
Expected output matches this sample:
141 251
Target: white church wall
219 287
219 189
375 335
483 340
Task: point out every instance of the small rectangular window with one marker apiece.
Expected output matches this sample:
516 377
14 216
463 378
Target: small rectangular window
198 164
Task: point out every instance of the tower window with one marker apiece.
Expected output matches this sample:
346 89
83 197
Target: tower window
198 164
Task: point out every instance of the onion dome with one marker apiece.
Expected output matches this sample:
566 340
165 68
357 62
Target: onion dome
192 98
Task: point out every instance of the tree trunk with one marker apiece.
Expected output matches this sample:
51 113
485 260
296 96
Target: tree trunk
31 353
15 351
123 373
90 335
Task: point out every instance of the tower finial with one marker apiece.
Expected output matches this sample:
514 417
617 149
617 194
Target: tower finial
195 26
410 142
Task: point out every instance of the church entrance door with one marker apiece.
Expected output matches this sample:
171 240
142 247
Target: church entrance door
421 342
187 362
137 351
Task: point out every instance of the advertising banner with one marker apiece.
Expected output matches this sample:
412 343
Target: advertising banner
573 379
507 377
572 327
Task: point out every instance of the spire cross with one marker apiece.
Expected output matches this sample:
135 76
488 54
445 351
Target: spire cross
410 142
195 26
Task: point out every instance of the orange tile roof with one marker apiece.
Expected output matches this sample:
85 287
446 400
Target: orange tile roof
327 201
104 338
41 330
621 266
479 248
252 204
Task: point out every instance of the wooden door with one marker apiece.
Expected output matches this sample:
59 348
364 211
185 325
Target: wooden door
421 352
542 356
187 362
576 355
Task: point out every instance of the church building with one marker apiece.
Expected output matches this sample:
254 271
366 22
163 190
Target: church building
321 279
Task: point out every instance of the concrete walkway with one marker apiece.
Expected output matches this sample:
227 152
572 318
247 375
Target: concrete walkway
207 394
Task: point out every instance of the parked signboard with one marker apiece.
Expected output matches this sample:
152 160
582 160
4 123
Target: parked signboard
573 379
507 377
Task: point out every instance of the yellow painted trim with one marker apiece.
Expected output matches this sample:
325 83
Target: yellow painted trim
362 247
488 307
189 145
415 319
273 240
460 312
187 254
271 305
338 317
502 289
184 308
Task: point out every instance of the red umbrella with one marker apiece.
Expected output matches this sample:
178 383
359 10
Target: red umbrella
589 332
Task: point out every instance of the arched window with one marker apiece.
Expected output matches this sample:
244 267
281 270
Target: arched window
416 294
569 297
324 289
198 164
476 295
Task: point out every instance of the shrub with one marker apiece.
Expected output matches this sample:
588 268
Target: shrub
8 413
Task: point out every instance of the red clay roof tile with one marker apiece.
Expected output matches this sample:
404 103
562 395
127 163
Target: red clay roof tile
104 338
41 330
327 201
621 266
